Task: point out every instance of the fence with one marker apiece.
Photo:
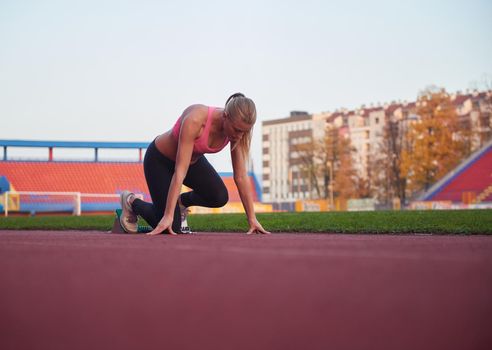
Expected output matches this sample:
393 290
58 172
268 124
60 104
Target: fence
33 202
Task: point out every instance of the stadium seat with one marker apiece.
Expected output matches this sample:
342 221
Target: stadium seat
92 178
474 176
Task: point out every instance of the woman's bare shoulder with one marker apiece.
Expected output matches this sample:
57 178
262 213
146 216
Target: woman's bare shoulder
195 109
194 117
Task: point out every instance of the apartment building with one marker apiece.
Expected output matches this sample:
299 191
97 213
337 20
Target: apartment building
475 113
283 179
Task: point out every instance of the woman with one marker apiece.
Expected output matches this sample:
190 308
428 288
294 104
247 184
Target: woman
177 157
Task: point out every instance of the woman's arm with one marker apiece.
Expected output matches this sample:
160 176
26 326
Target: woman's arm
243 186
190 128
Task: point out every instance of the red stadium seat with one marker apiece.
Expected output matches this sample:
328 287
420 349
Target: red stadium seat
474 178
90 177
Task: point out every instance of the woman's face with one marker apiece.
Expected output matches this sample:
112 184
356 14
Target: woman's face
235 129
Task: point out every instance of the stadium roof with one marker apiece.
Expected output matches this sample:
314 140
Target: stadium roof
72 144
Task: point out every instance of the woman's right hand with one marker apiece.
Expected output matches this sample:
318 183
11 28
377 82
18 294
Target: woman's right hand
166 223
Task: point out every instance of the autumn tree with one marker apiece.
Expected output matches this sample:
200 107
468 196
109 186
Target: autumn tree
346 183
436 145
387 160
315 158
337 153
307 165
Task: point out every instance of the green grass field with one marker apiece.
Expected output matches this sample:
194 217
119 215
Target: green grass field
378 222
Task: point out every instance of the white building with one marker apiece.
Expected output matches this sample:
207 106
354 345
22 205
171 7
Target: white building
282 181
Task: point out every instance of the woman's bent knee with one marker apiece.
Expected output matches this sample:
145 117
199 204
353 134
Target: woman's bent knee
221 198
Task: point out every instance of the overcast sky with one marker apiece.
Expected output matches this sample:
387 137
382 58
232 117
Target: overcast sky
116 70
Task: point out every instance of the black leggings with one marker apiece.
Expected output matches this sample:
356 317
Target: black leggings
208 189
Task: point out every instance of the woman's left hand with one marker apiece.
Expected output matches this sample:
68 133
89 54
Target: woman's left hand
255 227
166 224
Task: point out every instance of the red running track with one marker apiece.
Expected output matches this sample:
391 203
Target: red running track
90 290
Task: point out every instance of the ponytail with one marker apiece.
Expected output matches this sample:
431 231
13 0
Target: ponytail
241 107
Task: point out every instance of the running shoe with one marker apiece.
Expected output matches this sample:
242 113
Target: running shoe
128 218
184 222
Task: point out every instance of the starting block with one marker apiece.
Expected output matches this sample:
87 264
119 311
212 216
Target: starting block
118 229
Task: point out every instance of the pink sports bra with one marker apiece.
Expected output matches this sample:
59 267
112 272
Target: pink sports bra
201 144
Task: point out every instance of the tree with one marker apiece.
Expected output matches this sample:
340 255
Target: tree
387 161
337 153
315 159
436 145
306 160
345 178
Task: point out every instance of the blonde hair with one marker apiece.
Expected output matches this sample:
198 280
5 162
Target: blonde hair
243 108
